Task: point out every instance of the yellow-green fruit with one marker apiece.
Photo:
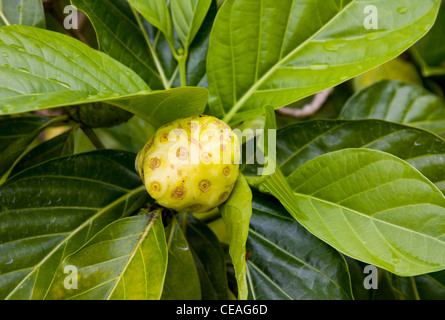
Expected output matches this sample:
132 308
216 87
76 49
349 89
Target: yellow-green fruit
190 164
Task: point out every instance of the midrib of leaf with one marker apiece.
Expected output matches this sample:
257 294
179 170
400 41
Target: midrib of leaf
36 268
269 279
296 258
120 41
132 254
415 290
24 152
366 145
300 149
56 52
256 85
152 50
2 15
370 218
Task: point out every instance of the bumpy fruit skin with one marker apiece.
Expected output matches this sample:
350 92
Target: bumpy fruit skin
190 164
99 115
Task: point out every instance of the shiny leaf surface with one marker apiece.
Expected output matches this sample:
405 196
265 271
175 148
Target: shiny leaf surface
287 262
43 69
236 213
264 52
73 198
373 207
400 102
127 260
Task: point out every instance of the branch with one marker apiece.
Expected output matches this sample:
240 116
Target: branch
309 109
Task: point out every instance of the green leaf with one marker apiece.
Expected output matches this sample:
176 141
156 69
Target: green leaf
395 69
158 14
425 287
44 69
429 52
59 146
16 137
24 12
209 257
287 262
120 37
182 279
373 207
262 53
236 213
187 17
197 57
127 260
51 210
161 107
299 143
398 102
129 136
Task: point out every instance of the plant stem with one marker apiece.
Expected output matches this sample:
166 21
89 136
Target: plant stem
152 51
182 61
89 132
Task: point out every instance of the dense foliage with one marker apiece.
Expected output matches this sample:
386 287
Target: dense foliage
357 180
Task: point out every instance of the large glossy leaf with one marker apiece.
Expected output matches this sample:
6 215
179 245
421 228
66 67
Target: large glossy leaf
373 207
25 12
41 69
129 136
236 213
197 57
209 258
398 102
182 279
158 14
51 210
127 260
164 106
16 136
299 143
120 37
395 69
269 52
287 262
59 146
425 287
429 52
187 17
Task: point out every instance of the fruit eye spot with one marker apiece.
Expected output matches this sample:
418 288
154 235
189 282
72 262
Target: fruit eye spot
182 153
164 138
204 185
155 186
206 157
154 163
223 197
178 193
226 172
194 207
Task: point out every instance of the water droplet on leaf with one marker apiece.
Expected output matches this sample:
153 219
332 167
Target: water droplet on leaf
334 46
319 66
402 10
66 85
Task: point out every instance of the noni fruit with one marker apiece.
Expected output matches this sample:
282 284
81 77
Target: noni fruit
99 115
190 164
